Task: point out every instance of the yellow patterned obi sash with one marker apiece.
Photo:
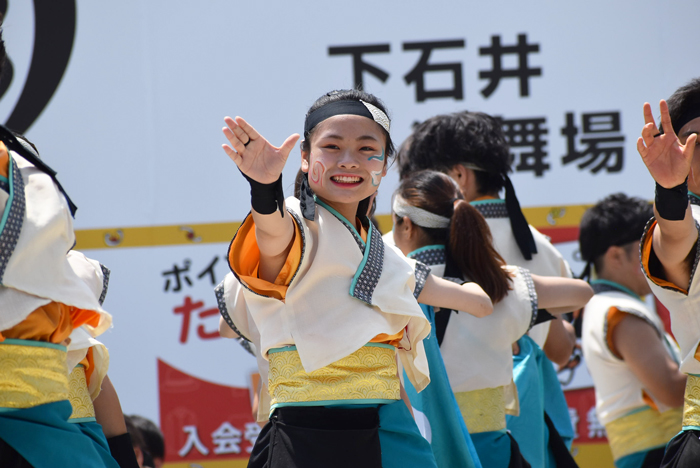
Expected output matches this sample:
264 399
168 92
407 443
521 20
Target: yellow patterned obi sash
642 430
691 408
366 376
79 396
32 373
483 410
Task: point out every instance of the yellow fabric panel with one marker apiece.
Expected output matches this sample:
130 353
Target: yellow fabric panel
643 430
88 364
691 407
369 373
244 258
483 410
31 376
4 160
52 323
646 254
79 395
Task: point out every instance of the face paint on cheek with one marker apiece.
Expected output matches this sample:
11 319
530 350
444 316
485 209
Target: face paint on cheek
377 157
377 175
317 171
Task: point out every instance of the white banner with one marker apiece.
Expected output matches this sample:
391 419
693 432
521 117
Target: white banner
126 101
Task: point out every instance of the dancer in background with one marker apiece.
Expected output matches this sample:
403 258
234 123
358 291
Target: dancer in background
435 225
632 360
321 292
470 147
669 247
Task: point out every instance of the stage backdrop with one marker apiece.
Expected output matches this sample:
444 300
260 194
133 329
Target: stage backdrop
126 101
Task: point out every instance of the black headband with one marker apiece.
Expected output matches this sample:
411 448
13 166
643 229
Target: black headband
346 107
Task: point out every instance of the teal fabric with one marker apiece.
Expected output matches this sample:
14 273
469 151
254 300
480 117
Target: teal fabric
450 440
493 448
402 444
538 391
45 438
94 432
633 460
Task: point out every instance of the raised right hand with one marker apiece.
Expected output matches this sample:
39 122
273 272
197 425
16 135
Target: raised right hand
666 158
253 154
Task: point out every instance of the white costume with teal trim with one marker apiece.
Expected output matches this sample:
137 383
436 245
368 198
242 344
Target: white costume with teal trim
634 428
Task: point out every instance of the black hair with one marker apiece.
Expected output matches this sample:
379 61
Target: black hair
349 95
684 101
616 220
445 140
151 436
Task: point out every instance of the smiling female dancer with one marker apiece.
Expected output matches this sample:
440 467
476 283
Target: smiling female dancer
330 308
436 226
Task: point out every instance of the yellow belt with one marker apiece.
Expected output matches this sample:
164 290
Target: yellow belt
367 374
32 373
79 395
483 410
642 430
691 408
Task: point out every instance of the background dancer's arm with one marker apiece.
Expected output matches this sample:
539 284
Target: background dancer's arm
560 343
262 162
468 297
669 163
560 295
640 346
108 410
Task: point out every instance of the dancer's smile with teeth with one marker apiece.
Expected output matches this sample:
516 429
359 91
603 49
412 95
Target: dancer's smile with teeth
345 161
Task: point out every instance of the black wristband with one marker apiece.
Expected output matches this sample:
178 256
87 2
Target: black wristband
672 203
122 450
266 198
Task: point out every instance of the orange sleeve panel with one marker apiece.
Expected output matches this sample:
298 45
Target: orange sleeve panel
614 317
244 258
4 160
52 323
647 252
392 340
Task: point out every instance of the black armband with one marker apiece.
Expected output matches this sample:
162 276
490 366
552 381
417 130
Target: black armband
266 198
122 450
672 203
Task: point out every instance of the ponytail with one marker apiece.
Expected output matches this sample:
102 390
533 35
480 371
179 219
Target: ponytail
470 249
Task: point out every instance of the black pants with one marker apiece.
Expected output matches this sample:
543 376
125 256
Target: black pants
683 451
516 458
10 458
319 437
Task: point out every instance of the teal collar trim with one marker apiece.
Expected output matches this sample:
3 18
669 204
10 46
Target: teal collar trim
697 197
37 344
341 218
490 200
294 348
617 286
424 248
